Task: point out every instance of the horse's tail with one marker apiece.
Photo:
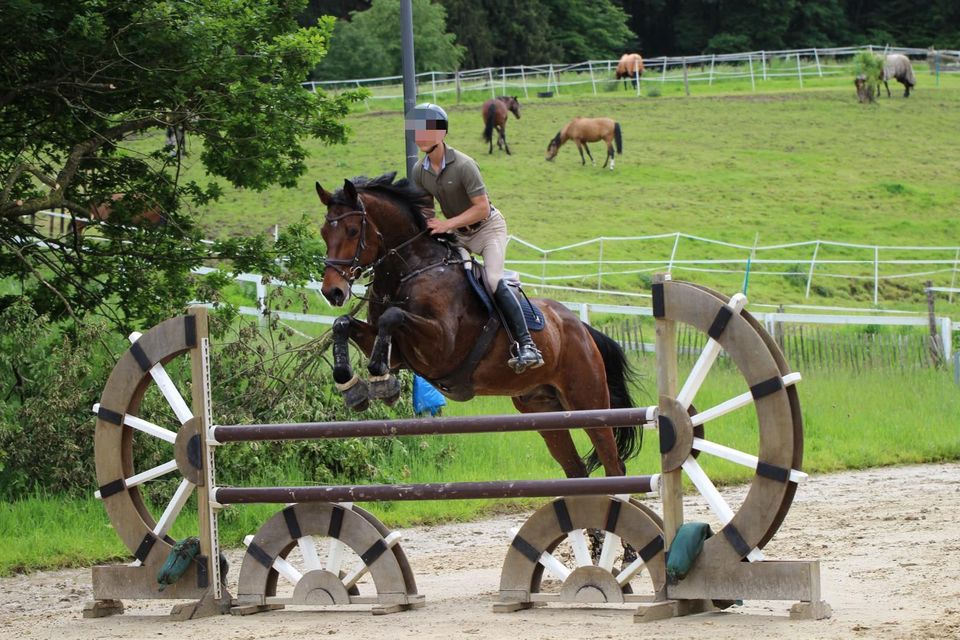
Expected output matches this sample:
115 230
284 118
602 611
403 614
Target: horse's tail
618 137
489 119
619 374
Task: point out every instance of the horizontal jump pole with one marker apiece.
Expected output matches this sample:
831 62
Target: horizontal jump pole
548 421
440 491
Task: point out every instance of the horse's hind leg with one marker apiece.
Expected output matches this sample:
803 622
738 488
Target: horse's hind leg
354 390
503 136
609 157
559 443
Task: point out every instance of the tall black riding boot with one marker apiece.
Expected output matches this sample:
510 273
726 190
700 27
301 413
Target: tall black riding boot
527 356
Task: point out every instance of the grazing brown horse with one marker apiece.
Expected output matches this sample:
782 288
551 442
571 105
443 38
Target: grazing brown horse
584 130
150 214
630 66
495 114
423 315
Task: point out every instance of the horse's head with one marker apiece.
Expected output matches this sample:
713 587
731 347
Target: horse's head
352 238
513 105
554 147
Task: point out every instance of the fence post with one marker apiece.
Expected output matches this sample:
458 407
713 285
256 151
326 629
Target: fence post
600 266
459 88
936 349
636 77
523 79
713 60
799 70
817 58
813 261
556 80
592 80
503 79
946 338
493 93
585 312
763 64
262 302
953 277
686 83
673 253
876 274
753 84
433 85
663 71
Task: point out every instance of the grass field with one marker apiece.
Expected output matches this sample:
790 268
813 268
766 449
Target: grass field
728 163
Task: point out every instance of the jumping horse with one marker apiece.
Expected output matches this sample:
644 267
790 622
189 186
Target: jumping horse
584 130
495 112
423 315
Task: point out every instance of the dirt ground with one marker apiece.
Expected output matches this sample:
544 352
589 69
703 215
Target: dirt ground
888 541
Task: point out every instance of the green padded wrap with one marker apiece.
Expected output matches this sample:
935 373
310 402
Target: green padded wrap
177 563
685 548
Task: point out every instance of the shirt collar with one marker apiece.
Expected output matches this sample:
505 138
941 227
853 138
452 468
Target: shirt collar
448 156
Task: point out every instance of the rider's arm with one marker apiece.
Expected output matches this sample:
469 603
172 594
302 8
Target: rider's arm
477 211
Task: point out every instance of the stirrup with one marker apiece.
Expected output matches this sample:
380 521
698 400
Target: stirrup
532 359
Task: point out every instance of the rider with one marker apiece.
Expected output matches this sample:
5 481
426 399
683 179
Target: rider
453 178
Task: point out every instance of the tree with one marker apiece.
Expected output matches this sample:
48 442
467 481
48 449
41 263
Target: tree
79 81
369 44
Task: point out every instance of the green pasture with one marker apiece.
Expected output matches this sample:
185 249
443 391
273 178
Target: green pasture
851 422
771 166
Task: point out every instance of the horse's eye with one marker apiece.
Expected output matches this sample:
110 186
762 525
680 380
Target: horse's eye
352 232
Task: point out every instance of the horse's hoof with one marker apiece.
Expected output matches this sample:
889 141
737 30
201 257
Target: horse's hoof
385 388
356 394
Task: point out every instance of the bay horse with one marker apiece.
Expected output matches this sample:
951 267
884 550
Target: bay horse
149 213
630 66
423 315
495 112
584 130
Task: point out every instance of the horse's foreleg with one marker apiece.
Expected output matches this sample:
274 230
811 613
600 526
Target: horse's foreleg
354 390
383 384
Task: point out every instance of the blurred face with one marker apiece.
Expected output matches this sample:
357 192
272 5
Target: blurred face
426 139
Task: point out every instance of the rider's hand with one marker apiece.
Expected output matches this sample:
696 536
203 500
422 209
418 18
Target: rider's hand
437 226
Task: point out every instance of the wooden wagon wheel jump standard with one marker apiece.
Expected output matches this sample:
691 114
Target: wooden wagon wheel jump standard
730 567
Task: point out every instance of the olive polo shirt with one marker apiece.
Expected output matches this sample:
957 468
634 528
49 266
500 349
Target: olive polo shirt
452 184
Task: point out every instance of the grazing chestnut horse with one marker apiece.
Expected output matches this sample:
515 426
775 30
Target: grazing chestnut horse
495 114
630 66
424 315
150 214
584 130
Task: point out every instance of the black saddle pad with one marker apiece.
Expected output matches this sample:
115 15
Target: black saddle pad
531 312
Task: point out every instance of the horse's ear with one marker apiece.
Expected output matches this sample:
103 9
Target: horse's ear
350 190
390 176
325 196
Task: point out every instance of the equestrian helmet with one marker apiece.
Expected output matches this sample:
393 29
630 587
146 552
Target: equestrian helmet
426 116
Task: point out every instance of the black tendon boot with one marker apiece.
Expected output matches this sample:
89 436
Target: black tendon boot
527 356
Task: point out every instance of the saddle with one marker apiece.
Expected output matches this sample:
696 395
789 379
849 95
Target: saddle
459 384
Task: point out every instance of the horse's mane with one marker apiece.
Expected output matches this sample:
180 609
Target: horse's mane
412 197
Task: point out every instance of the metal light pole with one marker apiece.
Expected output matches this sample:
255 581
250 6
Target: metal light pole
409 75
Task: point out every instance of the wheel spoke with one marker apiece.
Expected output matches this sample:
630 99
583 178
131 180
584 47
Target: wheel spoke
739 457
580 550
167 388
608 552
550 562
707 357
716 502
173 509
738 402
361 569
146 476
146 427
629 571
290 573
308 549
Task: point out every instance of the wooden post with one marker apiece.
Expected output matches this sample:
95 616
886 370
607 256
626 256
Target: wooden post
459 88
671 485
592 79
713 60
763 64
753 84
200 392
936 352
523 79
686 83
799 70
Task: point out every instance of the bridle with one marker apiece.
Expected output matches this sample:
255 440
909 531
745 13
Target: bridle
350 268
